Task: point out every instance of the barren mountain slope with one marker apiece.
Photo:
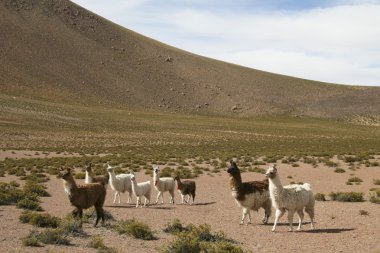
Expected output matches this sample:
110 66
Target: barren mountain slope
55 50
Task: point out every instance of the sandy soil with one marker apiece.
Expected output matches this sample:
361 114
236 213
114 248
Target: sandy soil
339 226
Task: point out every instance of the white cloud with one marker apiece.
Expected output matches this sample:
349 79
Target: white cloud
339 44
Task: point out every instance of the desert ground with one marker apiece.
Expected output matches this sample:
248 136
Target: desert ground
339 226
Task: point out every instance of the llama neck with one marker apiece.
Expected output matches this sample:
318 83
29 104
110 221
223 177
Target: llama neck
156 179
275 183
179 184
70 187
88 177
112 176
235 182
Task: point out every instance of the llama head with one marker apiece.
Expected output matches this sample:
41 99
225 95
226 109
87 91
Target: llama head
272 171
156 169
133 178
89 168
233 169
109 168
67 174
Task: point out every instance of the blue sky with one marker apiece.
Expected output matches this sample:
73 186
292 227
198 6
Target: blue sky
334 41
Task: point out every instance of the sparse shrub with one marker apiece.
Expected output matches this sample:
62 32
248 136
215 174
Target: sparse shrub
355 180
339 170
39 219
363 212
183 172
295 165
175 227
374 164
375 197
166 172
38 189
71 226
29 204
200 239
136 229
331 163
98 243
31 239
80 175
376 181
10 194
53 236
320 197
347 196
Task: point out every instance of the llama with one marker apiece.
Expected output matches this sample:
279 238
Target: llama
249 195
84 196
141 189
120 184
91 179
186 187
162 185
293 198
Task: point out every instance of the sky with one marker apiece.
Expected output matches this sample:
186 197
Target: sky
336 41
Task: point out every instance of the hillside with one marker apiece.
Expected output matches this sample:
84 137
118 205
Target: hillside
56 51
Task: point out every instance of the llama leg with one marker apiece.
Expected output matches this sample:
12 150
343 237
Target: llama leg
183 198
193 194
172 197
279 214
137 202
129 197
249 217
162 198
114 199
158 196
290 219
310 211
300 215
245 211
99 214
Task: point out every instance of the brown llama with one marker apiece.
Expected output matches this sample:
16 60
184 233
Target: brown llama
90 178
84 196
186 187
249 195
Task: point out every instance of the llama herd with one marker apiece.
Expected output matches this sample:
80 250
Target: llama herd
249 195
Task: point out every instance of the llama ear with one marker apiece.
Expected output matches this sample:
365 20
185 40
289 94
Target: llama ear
233 164
68 170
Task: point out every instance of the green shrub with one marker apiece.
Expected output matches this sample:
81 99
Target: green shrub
339 170
32 187
200 239
39 219
98 243
347 196
136 229
48 236
80 175
320 197
71 226
166 172
29 204
10 194
355 180
53 236
31 239
174 227
375 197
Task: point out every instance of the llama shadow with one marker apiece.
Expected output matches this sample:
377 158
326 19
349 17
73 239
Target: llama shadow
121 206
204 204
160 207
328 230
